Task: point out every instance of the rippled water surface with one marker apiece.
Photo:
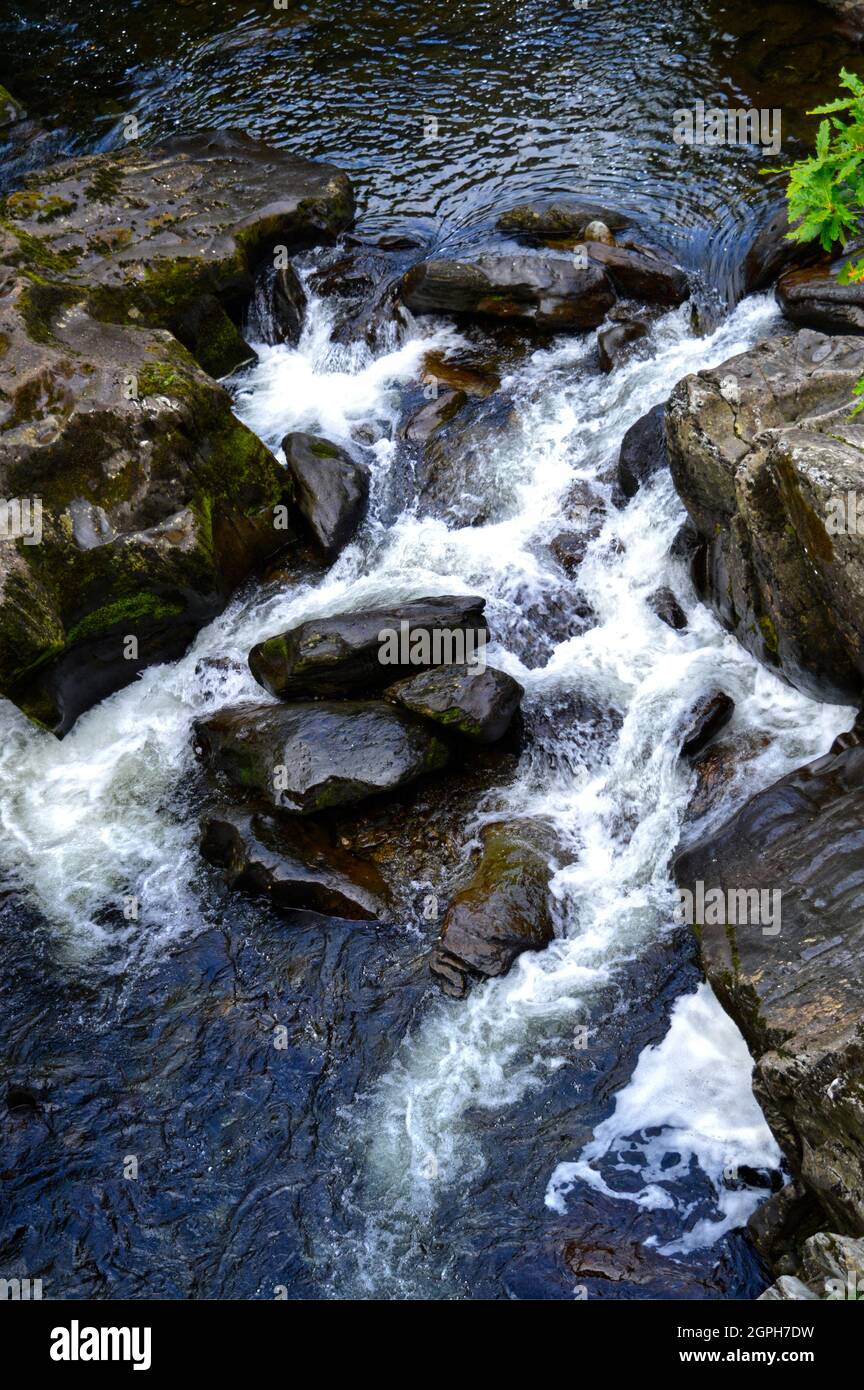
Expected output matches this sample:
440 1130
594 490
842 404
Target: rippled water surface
403 1145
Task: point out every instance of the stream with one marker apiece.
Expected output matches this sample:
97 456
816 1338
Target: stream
594 1100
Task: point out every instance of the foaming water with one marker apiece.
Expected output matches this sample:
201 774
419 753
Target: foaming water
688 1100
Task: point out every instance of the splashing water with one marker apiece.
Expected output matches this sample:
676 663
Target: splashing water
99 816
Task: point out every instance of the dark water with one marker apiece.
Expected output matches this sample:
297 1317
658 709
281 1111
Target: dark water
246 1183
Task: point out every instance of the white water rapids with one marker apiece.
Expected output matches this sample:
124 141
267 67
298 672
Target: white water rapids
99 816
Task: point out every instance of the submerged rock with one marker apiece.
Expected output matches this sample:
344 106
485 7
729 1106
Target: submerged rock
309 757
331 489
765 456
479 703
459 438
613 341
346 652
503 910
643 451
294 863
785 956
538 223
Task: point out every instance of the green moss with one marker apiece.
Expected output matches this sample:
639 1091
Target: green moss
37 251
769 635
40 303
105 184
127 610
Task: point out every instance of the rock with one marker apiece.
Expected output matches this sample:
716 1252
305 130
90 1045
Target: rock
151 235
643 451
360 281
764 453
502 911
786 1288
479 703
555 221
792 974
707 717
827 1256
309 757
155 502
664 603
814 297
343 653
293 862
771 252
851 12
463 371
289 305
455 437
637 273
613 341
542 292
331 489
598 231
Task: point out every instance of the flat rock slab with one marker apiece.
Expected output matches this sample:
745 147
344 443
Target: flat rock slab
347 652
312 756
793 980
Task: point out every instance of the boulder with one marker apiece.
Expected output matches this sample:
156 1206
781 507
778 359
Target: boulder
763 453
312 756
293 863
172 237
771 252
346 652
637 273
153 500
664 603
543 292
288 305
708 716
477 702
643 451
791 973
814 297
542 223
502 911
331 489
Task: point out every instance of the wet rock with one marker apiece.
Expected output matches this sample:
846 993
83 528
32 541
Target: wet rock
470 372
346 652
331 489
538 223
664 603
851 12
771 253
790 973
457 443
154 501
638 273
765 457
292 862
360 281
289 305
643 451
814 297
148 235
612 342
717 768
503 910
308 757
542 292
598 231
479 703
708 716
